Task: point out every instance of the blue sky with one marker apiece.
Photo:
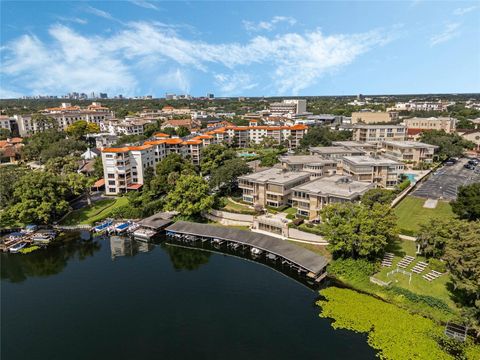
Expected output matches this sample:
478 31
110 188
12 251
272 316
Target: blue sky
239 48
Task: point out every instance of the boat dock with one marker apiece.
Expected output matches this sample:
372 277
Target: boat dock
152 225
297 258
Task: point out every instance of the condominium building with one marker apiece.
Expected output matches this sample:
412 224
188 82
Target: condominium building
374 170
271 187
311 197
63 116
368 148
243 136
128 126
288 107
378 133
413 105
124 167
373 117
7 123
336 152
313 164
446 124
410 152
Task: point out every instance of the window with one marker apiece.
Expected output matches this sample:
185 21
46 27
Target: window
111 182
111 176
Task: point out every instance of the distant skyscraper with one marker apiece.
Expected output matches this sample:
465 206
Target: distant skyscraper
210 96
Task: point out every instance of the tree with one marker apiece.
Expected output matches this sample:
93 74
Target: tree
80 128
98 167
62 148
463 261
269 159
214 156
377 196
9 175
467 205
433 237
182 131
39 197
190 196
5 134
354 230
62 165
167 172
225 176
38 142
449 145
322 136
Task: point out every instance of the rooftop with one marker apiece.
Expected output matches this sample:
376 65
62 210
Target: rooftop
305 159
334 150
410 144
367 126
305 258
369 160
336 185
353 144
276 176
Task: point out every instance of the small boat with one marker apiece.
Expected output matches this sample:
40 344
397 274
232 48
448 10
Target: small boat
43 237
30 228
17 247
272 257
15 236
103 226
122 227
256 251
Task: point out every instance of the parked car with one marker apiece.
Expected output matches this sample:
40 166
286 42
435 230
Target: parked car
450 162
473 162
469 166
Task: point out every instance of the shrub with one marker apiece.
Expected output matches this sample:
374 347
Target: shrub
352 270
437 265
126 212
402 186
290 216
428 300
298 222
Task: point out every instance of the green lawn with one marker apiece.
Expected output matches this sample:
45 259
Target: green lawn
411 214
237 208
290 211
95 212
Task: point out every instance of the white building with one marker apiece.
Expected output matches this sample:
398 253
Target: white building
288 107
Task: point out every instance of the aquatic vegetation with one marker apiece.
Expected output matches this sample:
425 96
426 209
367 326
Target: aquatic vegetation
394 332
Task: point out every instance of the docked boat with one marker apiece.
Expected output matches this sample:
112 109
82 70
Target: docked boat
43 237
15 236
17 247
30 228
103 226
256 251
144 234
122 227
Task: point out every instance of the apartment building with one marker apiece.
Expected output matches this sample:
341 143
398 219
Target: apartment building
243 136
472 135
313 164
410 152
446 124
413 105
128 126
310 198
63 116
288 107
380 171
271 187
373 117
336 152
368 148
124 168
378 133
7 123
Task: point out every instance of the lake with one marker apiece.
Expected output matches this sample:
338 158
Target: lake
119 299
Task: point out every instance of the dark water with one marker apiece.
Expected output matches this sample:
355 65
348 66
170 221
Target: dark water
88 300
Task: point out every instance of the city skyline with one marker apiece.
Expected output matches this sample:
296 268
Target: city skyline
140 48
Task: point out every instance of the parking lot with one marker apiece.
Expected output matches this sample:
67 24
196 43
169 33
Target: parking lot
443 184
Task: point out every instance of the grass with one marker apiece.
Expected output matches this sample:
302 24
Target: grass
318 249
98 211
411 214
290 211
237 208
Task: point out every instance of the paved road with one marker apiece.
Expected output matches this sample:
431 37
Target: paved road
444 183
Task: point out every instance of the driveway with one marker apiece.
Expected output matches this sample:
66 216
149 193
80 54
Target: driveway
444 183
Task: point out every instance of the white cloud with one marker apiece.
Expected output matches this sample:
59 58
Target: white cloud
449 32
463 11
99 13
234 84
73 19
283 64
145 4
268 25
71 62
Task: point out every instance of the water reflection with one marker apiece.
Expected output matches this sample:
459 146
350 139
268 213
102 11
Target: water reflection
125 246
49 261
186 259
